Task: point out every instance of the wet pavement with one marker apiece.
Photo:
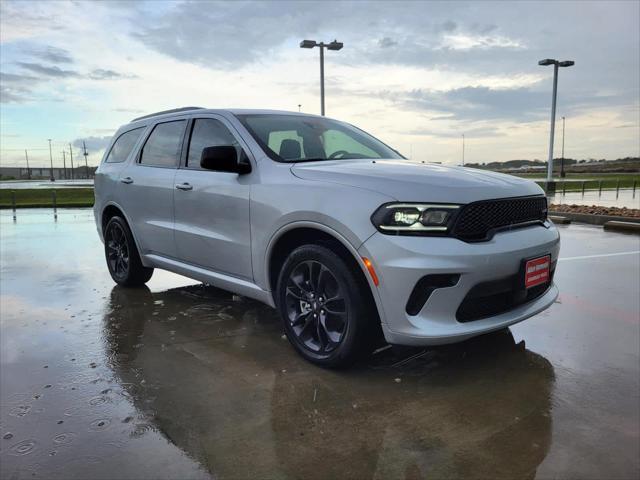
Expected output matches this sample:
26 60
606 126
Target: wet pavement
607 198
180 380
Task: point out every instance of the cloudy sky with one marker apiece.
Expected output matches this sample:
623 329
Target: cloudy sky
417 75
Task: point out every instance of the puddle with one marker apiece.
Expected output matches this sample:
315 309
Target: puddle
200 383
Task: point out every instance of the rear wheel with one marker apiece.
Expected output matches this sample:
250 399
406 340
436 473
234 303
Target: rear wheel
324 309
122 256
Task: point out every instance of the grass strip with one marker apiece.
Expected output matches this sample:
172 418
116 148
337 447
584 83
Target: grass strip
43 197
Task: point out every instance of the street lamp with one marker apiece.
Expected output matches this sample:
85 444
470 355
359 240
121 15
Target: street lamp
556 64
335 45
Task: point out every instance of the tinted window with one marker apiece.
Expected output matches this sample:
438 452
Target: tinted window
163 145
123 146
276 139
335 141
207 132
294 138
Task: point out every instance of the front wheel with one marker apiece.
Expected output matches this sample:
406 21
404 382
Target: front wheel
325 311
122 256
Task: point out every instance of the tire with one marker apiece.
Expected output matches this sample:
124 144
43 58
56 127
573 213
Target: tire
121 255
316 281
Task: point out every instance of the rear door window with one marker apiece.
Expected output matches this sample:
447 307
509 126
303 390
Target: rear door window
163 146
123 145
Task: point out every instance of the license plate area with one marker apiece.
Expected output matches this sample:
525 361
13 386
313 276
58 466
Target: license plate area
537 271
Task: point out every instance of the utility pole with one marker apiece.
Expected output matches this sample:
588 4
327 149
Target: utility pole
26 155
51 178
463 149
64 163
86 165
299 106
71 155
562 174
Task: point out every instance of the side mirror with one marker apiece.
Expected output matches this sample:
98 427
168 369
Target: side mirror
224 158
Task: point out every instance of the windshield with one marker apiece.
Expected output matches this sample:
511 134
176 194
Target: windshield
297 138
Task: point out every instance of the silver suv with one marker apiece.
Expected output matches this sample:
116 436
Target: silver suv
349 240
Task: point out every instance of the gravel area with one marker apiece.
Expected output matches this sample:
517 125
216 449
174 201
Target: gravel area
596 210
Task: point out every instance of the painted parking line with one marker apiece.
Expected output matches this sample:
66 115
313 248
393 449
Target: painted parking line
584 257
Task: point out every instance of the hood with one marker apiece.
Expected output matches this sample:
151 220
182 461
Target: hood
418 182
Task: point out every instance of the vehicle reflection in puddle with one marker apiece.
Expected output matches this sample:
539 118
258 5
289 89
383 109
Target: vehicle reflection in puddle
212 372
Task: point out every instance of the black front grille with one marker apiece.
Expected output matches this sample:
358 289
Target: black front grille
478 220
499 296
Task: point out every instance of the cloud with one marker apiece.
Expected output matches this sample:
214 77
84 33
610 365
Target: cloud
387 42
223 35
128 110
16 88
454 66
449 26
48 71
17 78
477 103
12 95
52 54
94 144
468 42
102 74
473 132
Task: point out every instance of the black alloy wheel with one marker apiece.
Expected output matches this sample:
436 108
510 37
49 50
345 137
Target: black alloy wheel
327 313
316 307
123 260
117 250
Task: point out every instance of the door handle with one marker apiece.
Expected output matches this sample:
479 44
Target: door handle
127 180
184 186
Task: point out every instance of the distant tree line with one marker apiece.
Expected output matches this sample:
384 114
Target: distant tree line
631 162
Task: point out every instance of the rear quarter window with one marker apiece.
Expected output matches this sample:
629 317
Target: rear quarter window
123 146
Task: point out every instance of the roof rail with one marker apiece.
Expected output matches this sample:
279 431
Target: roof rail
164 112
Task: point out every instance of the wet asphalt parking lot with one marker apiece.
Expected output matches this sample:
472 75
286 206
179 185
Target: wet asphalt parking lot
181 380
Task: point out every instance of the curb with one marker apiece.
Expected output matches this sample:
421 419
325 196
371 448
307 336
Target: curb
559 220
591 219
631 227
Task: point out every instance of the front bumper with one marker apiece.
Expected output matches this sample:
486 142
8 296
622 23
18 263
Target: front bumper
400 261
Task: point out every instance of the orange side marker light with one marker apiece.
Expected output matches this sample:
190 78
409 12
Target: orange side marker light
372 272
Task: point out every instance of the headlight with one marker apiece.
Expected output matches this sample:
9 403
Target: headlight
414 218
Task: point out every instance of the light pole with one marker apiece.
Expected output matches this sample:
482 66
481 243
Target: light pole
463 149
562 159
335 45
556 64
51 178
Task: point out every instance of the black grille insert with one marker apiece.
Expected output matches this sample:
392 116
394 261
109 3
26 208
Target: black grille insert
478 220
498 296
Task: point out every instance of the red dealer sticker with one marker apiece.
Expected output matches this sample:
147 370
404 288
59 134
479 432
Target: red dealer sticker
536 271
